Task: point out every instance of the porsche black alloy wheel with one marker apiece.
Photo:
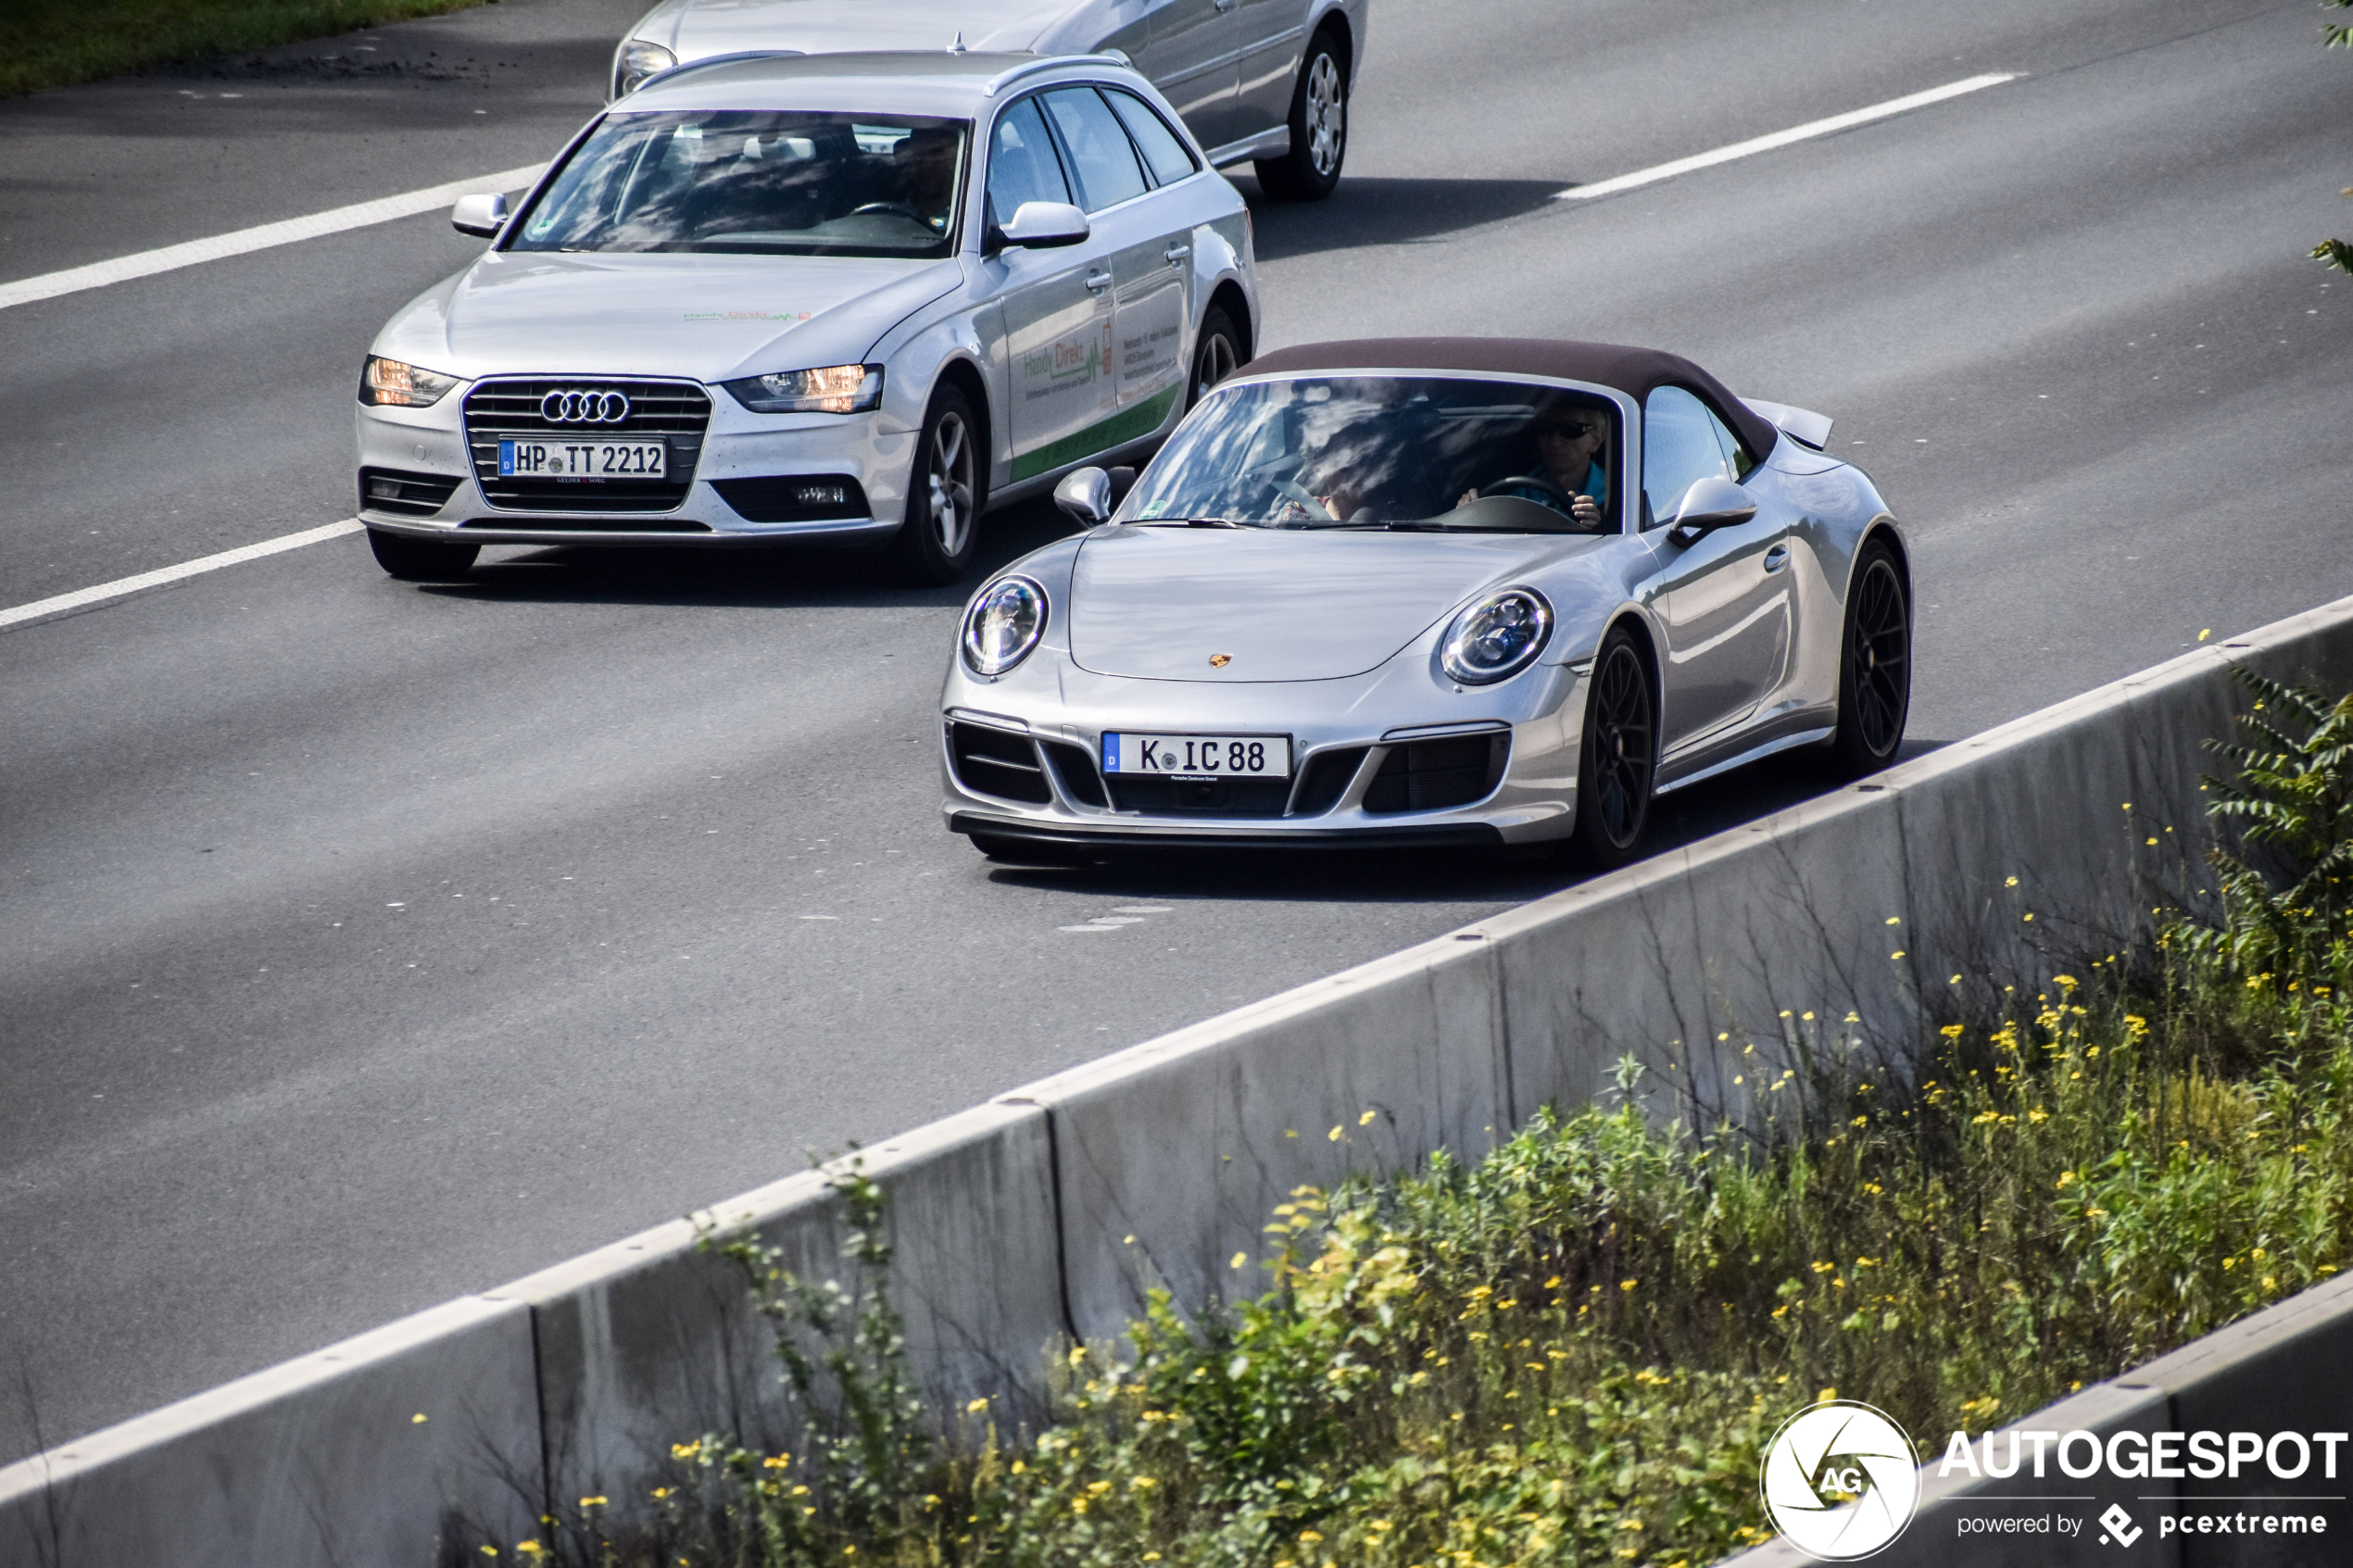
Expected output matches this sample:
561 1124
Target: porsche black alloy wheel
1875 665
421 560
1217 353
1310 171
944 495
1618 756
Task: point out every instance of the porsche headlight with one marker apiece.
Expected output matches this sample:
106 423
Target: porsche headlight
390 383
1499 637
1003 624
836 389
635 60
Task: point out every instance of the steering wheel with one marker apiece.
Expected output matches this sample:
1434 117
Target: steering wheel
1299 495
900 209
1546 492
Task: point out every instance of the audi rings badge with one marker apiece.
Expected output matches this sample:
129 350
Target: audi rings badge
560 407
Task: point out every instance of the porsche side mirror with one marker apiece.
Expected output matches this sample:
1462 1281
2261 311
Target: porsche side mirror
481 216
1085 493
1041 226
1709 505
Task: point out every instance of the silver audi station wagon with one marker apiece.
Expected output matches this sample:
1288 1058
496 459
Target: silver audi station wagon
855 298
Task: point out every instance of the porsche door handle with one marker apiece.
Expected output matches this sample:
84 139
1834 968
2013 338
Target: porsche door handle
1176 253
1776 559
1099 281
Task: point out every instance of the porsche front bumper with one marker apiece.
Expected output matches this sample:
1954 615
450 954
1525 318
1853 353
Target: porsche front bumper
1444 781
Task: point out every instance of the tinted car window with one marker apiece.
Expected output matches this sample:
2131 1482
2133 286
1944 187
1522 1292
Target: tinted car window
1680 448
1022 165
772 184
1107 170
1371 452
1164 149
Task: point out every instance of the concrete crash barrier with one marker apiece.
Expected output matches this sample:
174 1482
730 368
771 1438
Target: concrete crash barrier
1055 1208
380 1449
1172 1156
2258 1402
653 1341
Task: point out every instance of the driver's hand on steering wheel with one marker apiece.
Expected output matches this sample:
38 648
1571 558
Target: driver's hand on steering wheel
1581 506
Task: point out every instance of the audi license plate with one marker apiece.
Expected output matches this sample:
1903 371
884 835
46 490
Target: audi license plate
522 458
1245 757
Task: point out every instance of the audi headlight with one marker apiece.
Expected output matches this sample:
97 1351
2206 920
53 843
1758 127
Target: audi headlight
634 61
393 384
1499 637
836 389
1003 624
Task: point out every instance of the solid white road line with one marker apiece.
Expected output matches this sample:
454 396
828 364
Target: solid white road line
157 579
1780 138
146 263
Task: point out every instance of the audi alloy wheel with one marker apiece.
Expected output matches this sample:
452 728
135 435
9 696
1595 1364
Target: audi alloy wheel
945 499
1218 353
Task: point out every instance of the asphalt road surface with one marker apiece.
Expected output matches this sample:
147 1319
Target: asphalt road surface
362 943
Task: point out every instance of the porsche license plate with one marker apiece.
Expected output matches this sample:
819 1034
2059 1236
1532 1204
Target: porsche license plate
522 458
1245 757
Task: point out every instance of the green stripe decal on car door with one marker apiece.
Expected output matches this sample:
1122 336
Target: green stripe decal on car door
1128 424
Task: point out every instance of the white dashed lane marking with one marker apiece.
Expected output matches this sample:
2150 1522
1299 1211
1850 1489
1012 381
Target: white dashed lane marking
359 215
1121 917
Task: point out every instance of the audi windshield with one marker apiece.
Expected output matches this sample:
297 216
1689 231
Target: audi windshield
756 183
1390 452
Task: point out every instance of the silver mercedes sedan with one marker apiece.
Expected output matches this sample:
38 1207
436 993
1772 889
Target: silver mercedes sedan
855 298
1432 592
1264 81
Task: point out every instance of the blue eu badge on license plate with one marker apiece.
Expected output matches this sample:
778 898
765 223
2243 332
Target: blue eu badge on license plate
506 459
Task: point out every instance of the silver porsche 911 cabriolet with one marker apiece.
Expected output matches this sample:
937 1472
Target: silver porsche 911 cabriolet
1432 592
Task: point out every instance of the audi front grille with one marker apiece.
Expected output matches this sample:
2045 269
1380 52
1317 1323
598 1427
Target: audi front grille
538 407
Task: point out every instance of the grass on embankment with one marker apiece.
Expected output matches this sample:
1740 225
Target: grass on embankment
1574 1352
58 43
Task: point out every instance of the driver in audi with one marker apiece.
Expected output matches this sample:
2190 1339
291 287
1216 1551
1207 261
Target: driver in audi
1571 443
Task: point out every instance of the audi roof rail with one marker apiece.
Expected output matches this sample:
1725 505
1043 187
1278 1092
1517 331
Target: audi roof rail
1030 67
676 72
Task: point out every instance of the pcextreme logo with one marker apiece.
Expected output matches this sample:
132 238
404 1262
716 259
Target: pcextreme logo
1827 1456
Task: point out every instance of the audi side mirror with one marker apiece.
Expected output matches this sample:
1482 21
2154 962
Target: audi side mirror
1041 226
1085 493
481 216
1709 505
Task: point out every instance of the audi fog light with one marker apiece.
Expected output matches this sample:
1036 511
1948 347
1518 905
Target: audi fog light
1003 624
390 383
635 60
1500 636
836 389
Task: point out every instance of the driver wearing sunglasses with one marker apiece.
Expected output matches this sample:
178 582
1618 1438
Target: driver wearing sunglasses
1569 444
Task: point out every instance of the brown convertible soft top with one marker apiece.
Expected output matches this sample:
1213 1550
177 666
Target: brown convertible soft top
1631 371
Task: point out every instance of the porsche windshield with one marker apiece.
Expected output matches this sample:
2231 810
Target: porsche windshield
1390 452
763 183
